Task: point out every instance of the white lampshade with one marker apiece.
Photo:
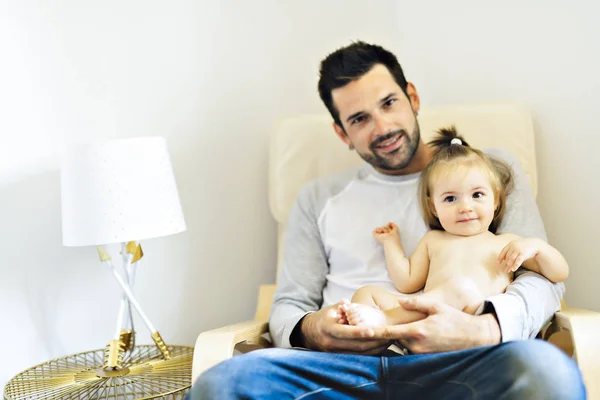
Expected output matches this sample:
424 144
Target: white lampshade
119 191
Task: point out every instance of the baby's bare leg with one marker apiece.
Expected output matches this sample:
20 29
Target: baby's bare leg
459 292
374 306
375 296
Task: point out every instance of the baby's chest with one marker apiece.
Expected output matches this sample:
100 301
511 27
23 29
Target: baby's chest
471 258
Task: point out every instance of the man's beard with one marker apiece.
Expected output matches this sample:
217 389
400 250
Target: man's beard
408 150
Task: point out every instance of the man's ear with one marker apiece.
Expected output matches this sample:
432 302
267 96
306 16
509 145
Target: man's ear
341 134
413 96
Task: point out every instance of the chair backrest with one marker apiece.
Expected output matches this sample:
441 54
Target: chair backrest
305 147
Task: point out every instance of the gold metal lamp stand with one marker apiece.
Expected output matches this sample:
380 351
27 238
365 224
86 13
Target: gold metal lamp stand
121 371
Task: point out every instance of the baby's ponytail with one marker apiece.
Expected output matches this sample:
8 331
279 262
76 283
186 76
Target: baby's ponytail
448 144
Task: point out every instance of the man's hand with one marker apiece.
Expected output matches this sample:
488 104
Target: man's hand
444 329
321 331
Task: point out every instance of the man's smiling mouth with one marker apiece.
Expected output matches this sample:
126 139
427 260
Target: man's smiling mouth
391 144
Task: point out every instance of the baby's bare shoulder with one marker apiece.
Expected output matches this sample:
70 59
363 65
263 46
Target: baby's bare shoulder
433 234
507 237
435 237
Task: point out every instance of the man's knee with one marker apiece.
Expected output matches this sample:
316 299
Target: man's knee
212 382
226 379
539 370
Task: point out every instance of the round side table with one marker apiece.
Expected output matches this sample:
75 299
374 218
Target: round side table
146 375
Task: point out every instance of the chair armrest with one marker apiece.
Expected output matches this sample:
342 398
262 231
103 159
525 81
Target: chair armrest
217 345
574 330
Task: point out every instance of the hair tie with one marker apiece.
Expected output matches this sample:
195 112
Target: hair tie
456 141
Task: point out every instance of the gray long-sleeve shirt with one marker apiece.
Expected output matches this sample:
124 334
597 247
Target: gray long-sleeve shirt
329 251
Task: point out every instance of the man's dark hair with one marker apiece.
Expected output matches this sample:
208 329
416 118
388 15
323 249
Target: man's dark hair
350 63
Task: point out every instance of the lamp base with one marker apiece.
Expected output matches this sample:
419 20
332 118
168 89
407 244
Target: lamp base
145 375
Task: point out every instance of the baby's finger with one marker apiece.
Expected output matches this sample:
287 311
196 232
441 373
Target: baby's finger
514 257
511 264
503 252
519 262
508 254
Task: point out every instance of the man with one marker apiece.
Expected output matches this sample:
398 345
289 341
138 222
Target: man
329 253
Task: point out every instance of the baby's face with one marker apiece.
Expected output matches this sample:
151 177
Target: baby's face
463 201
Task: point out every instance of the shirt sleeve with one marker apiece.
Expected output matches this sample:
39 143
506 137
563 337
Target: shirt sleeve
530 300
303 270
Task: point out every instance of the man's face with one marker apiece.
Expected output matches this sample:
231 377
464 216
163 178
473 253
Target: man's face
379 120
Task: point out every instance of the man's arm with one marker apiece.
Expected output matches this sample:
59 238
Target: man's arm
303 270
531 300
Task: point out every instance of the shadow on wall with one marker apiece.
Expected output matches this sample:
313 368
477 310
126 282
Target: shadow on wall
43 292
32 266
231 233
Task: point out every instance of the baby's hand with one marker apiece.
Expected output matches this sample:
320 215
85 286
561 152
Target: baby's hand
514 254
386 232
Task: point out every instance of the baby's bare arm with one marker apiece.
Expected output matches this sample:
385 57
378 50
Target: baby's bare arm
536 255
408 276
548 262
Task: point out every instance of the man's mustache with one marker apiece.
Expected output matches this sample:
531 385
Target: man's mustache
382 139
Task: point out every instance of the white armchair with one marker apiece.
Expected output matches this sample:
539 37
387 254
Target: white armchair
306 148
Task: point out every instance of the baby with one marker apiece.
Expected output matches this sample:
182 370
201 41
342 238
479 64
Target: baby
461 261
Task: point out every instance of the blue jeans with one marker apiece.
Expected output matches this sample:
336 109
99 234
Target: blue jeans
530 369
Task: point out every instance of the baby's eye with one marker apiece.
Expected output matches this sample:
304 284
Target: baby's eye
449 199
478 195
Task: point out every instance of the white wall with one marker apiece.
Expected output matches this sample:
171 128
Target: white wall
546 55
213 78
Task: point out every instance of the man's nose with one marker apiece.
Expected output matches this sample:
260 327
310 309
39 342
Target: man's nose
383 124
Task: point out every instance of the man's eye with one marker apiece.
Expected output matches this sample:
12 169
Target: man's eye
389 102
358 120
477 195
449 199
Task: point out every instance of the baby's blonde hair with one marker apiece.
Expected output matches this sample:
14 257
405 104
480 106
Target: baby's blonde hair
449 155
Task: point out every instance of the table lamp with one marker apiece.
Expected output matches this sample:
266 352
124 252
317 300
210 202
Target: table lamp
122 191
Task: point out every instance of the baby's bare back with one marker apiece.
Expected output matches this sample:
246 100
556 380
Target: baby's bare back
468 256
